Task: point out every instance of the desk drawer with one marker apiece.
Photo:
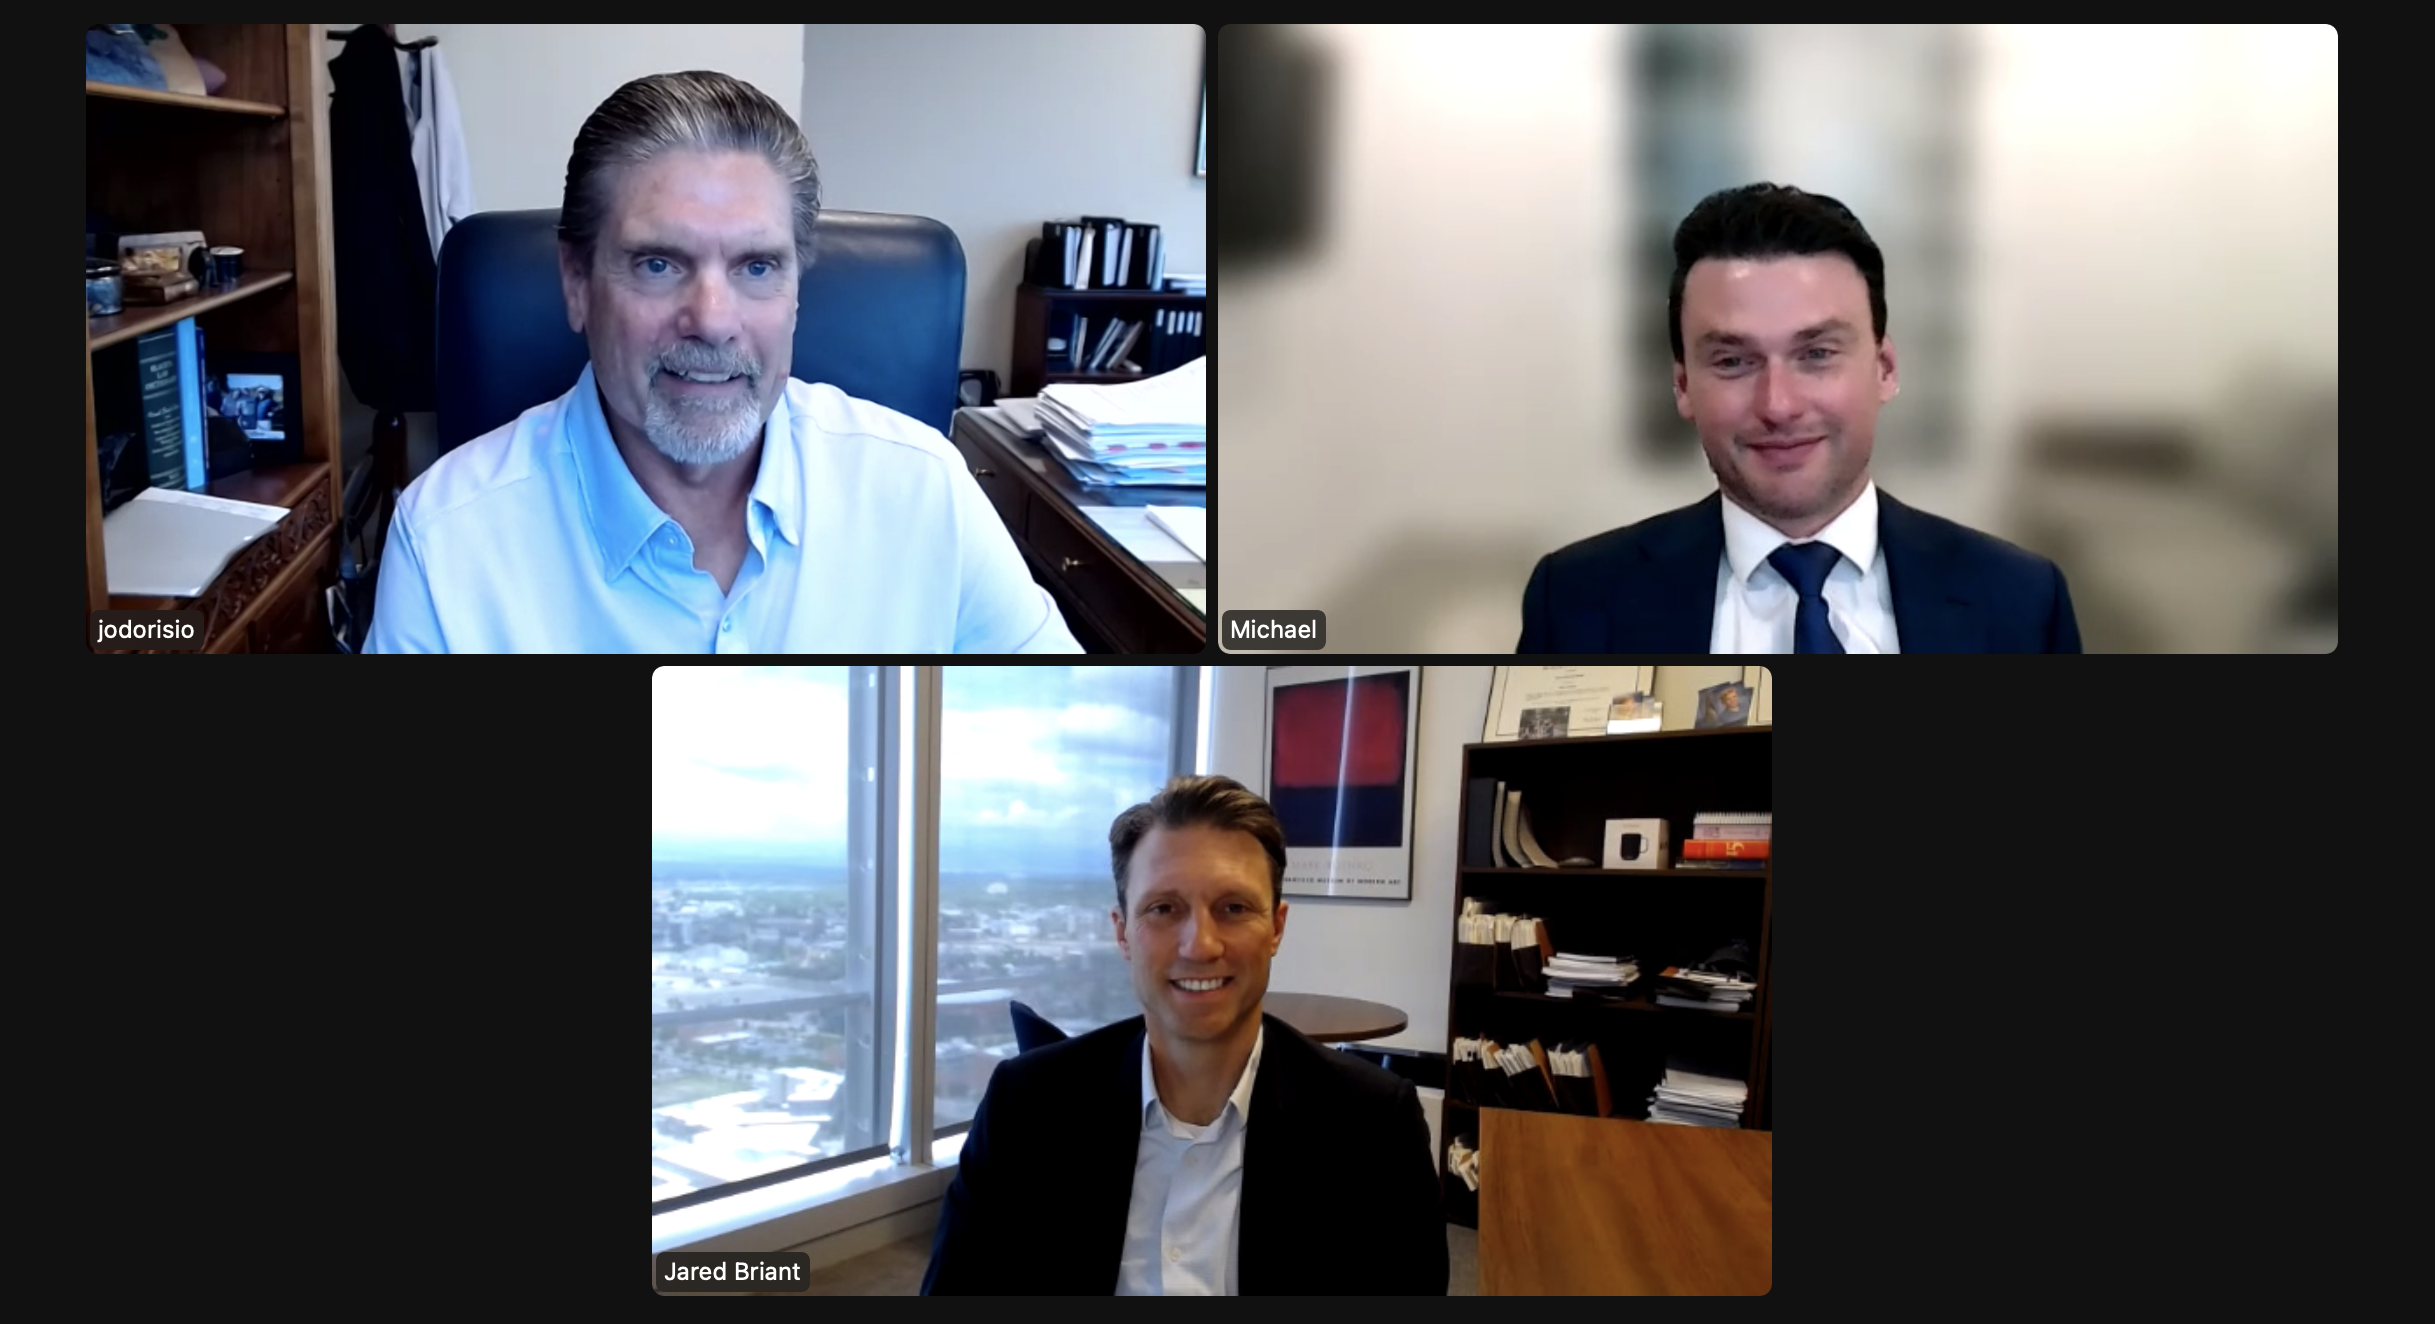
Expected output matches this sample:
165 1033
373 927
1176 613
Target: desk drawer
1006 491
1116 604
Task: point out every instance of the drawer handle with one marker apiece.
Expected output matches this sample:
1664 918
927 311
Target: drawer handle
1068 564
984 473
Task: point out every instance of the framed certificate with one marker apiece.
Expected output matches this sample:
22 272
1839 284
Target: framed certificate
1339 771
1537 703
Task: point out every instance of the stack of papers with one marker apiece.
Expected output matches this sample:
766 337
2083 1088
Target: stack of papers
1703 990
1594 976
172 544
1691 1098
1153 432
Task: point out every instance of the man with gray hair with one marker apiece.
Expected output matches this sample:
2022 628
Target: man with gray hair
687 495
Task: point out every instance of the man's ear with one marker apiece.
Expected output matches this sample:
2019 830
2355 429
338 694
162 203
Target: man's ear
571 280
1682 391
1277 936
1116 917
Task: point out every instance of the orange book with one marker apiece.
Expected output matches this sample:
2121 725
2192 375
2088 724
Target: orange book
1724 850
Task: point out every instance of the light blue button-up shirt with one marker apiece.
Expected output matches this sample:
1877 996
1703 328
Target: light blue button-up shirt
867 535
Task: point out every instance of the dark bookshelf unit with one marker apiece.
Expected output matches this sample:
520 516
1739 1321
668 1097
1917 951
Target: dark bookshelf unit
1664 916
1041 312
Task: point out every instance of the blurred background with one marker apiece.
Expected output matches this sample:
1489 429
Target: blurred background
1444 252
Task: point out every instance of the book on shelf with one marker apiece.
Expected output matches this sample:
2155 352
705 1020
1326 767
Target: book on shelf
1579 1076
152 387
1735 849
1724 866
1729 831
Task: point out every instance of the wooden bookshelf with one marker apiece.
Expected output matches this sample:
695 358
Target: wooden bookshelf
1038 307
1665 916
248 168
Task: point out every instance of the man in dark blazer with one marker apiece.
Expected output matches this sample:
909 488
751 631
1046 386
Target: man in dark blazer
1781 362
1127 1159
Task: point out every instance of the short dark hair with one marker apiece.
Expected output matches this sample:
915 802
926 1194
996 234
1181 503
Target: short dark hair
1772 220
697 111
1218 802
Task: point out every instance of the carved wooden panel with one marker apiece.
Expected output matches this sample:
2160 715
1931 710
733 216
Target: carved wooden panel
255 567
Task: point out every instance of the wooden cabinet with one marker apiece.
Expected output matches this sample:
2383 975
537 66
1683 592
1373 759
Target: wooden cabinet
250 169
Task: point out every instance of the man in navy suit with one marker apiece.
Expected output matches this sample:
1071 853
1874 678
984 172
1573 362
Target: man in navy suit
1781 361
1127 1159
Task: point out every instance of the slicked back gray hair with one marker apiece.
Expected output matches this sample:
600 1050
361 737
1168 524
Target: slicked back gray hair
695 111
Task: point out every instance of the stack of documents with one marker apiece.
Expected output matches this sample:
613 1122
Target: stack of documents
1691 1098
1152 432
172 544
1702 989
1592 976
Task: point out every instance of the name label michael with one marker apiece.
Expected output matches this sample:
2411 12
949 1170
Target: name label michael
758 1271
1298 630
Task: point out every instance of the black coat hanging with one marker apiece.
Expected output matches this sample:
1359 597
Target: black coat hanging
386 272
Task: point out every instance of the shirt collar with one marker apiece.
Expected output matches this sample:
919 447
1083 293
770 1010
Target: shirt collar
623 517
1240 1100
1749 540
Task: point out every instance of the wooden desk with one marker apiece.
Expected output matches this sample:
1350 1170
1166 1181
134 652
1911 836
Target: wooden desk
1114 602
1603 1206
1333 1020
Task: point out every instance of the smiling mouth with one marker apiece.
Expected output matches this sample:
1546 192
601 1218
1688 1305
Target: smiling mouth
704 378
1794 444
1201 985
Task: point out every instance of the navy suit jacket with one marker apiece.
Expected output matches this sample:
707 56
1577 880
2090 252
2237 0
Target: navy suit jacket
1651 588
1339 1193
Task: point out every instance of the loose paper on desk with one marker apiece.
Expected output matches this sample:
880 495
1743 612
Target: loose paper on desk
1023 411
1130 526
167 543
1189 524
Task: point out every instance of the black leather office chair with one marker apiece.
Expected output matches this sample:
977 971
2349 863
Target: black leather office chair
882 317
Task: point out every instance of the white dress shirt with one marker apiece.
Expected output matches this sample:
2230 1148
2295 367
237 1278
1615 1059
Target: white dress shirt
1180 1233
436 140
1755 603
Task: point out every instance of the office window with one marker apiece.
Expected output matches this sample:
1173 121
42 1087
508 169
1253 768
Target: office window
1034 763
767 964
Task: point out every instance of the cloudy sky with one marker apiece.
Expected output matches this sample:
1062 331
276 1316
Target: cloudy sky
751 762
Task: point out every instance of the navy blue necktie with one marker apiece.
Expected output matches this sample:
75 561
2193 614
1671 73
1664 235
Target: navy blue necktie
1806 565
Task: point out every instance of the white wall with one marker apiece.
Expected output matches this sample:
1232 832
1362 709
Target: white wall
525 88
1395 952
994 128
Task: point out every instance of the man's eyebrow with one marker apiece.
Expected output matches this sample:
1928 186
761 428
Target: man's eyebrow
662 248
1820 331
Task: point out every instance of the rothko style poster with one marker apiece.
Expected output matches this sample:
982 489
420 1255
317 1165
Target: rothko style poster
1339 761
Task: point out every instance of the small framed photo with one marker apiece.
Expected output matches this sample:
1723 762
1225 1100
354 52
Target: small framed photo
1728 704
1637 711
1546 723
258 393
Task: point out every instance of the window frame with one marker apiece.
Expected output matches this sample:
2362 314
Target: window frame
894 744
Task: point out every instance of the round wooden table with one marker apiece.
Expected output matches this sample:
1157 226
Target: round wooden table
1333 1020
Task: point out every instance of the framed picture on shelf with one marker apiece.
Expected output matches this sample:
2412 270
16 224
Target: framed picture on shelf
1586 694
1728 704
1637 711
1338 766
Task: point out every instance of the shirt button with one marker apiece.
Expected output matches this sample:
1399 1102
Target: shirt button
727 625
1175 1254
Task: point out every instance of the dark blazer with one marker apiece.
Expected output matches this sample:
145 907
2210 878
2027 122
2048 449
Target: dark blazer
1339 1193
1651 588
